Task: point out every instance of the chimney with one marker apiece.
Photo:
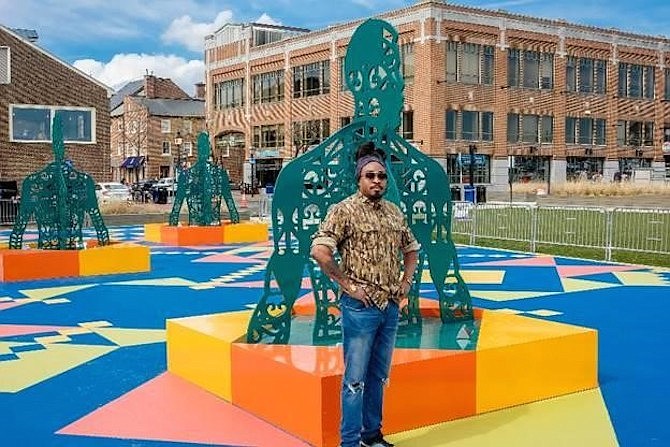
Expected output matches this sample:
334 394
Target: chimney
199 90
150 86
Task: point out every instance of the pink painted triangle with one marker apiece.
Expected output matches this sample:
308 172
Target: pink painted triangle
9 305
233 259
537 261
11 330
170 409
567 271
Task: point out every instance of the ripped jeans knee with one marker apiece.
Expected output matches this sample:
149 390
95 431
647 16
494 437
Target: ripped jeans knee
355 387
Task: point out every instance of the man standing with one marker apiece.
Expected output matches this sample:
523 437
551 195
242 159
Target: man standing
369 233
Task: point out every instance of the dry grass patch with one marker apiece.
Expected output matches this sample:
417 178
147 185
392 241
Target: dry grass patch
121 207
594 189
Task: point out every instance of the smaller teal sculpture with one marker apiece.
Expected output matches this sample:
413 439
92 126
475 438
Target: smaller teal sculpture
58 197
202 186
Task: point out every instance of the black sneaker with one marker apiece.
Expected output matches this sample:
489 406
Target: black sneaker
378 441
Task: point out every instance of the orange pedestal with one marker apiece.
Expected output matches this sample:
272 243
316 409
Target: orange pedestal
31 264
192 235
297 387
26 265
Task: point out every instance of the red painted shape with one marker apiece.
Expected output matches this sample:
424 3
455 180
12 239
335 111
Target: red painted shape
168 408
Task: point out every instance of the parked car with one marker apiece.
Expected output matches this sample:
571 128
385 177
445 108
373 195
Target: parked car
111 192
165 182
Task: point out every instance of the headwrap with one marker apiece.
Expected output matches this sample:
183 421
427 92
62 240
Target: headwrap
364 160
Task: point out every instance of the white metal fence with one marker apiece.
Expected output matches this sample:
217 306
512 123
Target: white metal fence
607 229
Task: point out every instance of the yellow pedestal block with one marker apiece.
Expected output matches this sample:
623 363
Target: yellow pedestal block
522 360
199 349
152 232
245 232
114 259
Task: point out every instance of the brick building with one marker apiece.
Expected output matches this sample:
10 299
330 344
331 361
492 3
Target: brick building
154 126
34 84
518 97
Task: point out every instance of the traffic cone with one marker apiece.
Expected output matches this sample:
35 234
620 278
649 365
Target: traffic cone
243 202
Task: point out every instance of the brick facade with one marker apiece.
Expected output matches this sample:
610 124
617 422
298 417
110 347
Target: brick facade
38 78
429 25
135 131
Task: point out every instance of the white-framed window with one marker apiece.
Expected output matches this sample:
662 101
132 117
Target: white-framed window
165 126
188 148
30 123
166 148
5 66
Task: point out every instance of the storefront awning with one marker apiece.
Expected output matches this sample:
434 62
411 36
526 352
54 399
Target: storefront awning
132 162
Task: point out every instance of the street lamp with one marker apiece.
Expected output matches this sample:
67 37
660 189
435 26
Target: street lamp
177 162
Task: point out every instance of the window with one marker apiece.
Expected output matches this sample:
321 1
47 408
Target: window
345 121
636 81
458 168
530 128
119 149
268 137
119 126
408 125
165 126
667 83
229 94
31 123
474 125
343 76
310 133
635 133
587 131
264 36
407 58
530 69
268 87
311 79
188 148
5 66
469 63
585 75
166 148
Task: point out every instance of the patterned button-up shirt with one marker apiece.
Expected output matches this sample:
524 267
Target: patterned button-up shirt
370 237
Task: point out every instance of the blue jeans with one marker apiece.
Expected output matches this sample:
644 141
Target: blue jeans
368 336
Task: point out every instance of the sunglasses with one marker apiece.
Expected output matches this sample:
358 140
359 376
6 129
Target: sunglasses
379 175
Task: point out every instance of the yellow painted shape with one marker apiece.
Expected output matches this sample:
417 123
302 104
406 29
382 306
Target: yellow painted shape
522 359
579 419
50 292
577 285
162 282
131 337
506 295
199 349
53 339
245 232
5 345
95 324
33 367
641 279
114 259
472 276
152 232
75 331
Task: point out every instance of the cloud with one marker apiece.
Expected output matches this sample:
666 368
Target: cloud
124 68
267 20
184 31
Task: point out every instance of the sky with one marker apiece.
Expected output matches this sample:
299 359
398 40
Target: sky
118 41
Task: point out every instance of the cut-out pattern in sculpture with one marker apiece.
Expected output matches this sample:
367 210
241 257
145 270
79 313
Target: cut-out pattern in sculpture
58 197
202 186
310 184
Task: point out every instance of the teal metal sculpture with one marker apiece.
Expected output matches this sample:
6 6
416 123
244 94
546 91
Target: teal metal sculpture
202 186
310 184
58 197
